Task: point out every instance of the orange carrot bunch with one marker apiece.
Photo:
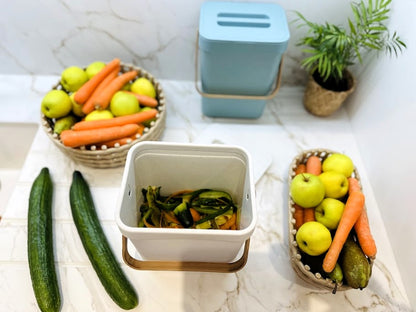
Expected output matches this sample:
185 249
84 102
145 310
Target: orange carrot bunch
74 138
313 166
82 95
353 209
362 226
122 141
116 121
112 132
354 216
298 215
89 105
97 93
144 99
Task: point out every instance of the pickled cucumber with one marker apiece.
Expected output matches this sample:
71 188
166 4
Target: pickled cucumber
355 265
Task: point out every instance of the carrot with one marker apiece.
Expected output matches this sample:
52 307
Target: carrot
145 100
362 226
353 185
73 138
88 106
103 99
170 217
314 165
301 214
352 211
116 121
123 141
88 88
309 215
298 216
195 214
301 168
227 225
365 238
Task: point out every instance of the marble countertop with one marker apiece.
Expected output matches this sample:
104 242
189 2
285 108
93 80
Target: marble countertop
266 283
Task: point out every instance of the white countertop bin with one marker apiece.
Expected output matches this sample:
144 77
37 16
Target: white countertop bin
176 167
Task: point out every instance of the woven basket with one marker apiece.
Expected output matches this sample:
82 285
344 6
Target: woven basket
114 156
304 270
322 102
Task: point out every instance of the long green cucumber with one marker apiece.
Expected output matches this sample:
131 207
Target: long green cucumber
96 245
40 244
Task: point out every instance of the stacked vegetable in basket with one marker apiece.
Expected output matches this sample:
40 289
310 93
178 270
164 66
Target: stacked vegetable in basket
331 225
108 107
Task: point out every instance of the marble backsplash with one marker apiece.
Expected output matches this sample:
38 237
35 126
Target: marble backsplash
42 38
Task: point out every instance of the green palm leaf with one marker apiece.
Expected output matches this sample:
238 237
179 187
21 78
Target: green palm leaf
330 49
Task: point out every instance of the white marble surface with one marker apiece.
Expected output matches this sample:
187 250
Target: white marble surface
266 283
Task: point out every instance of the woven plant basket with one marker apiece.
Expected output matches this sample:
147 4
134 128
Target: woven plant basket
114 156
323 102
304 270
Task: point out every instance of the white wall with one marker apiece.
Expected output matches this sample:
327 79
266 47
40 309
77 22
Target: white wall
44 37
383 117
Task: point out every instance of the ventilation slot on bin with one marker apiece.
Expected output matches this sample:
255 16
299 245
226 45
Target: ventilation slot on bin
243 20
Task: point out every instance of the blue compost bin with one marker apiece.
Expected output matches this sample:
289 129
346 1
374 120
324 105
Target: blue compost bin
240 50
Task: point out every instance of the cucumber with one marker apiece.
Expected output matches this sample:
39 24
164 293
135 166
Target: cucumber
40 244
96 245
184 215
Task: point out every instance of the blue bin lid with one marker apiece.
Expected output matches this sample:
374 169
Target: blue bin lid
243 22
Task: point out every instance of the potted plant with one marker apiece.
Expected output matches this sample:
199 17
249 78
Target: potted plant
331 49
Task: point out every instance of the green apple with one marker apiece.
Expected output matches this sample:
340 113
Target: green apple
64 123
73 77
313 238
338 162
329 212
56 104
336 184
93 68
143 86
126 87
307 190
123 103
76 107
99 114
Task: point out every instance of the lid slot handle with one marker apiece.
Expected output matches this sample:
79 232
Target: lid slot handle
243 20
